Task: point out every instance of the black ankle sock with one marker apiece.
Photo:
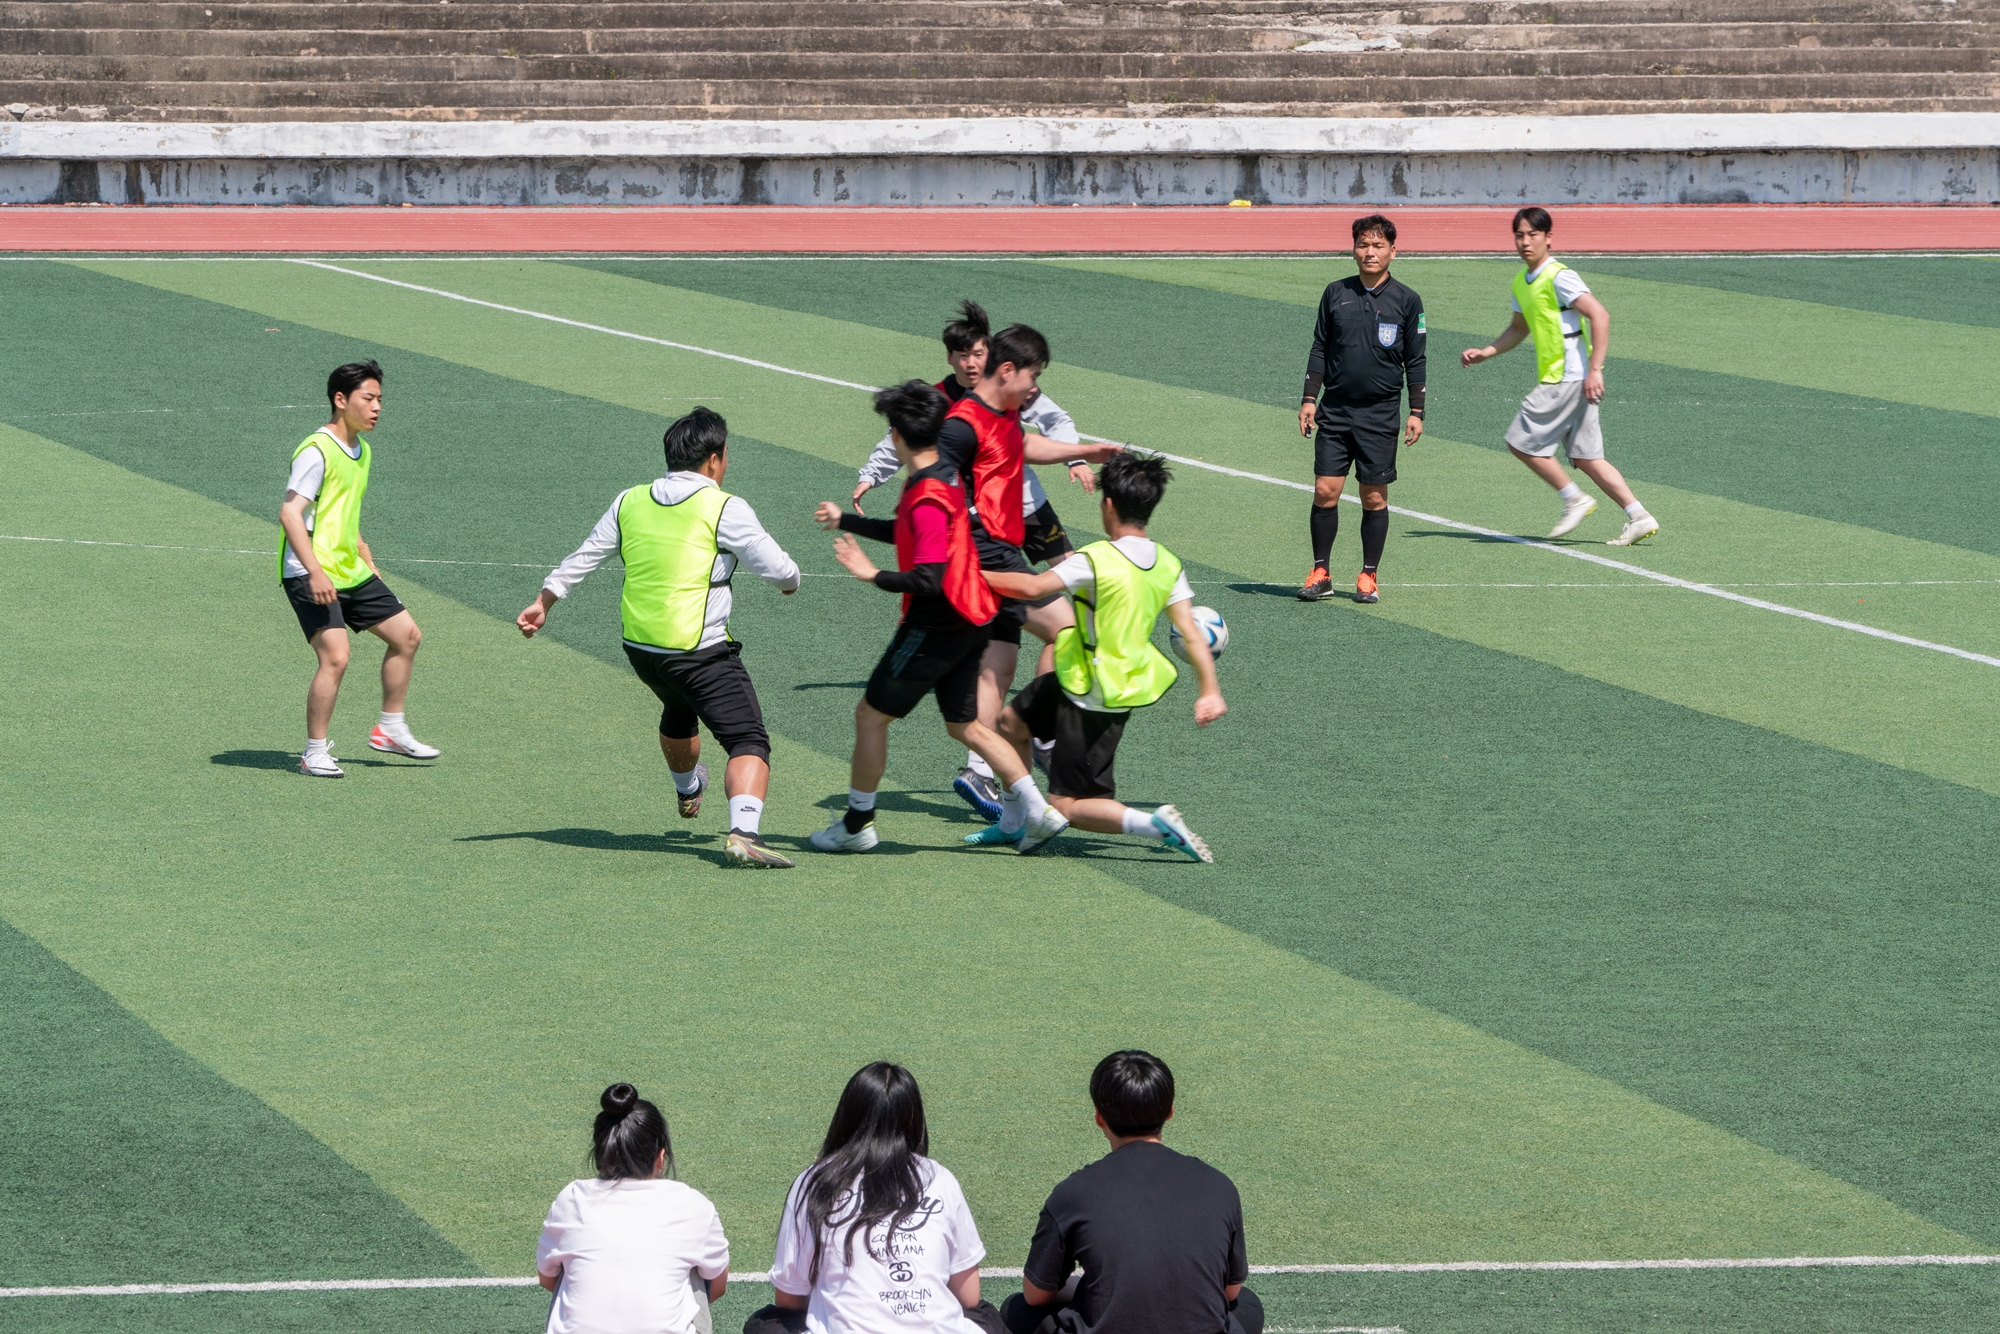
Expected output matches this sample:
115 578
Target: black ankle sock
1374 534
1325 527
857 821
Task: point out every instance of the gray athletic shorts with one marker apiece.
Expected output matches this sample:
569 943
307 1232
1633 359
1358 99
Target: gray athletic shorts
1555 416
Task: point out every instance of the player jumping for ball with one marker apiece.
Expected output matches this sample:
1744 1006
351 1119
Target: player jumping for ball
330 576
681 539
1551 303
1106 665
938 647
1367 343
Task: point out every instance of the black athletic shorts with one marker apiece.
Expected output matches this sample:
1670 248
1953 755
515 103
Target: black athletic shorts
930 659
1086 740
1363 440
1003 559
1046 540
368 603
710 685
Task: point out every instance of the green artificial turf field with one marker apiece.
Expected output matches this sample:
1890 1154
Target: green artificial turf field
1559 913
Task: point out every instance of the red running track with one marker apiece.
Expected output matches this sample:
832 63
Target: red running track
1601 229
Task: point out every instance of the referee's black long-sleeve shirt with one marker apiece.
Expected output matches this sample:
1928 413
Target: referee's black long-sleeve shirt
1366 346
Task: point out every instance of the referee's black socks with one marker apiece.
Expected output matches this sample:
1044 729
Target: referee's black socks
1374 535
1325 527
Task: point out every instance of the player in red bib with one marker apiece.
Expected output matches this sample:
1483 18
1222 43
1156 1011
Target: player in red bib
942 640
982 439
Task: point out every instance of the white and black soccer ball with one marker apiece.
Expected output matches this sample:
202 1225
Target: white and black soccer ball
1209 623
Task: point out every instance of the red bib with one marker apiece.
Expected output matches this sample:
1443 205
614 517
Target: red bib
964 587
996 468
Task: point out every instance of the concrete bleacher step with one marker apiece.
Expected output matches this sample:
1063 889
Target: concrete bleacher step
658 58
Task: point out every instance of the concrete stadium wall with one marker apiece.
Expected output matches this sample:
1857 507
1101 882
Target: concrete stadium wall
1885 159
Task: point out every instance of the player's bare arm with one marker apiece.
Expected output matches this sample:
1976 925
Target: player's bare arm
536 614
827 514
1041 449
1025 587
853 559
1593 310
292 518
1517 329
1413 430
1208 704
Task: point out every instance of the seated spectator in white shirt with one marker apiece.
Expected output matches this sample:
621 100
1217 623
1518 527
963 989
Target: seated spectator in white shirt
876 1238
632 1251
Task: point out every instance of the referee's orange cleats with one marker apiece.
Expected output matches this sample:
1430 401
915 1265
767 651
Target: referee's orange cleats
1364 588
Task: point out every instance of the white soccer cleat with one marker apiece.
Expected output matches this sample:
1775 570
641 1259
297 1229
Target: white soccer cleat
1174 832
1041 830
321 765
400 742
1636 531
1574 513
835 838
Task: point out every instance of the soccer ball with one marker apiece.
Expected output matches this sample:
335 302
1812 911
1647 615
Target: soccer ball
1212 627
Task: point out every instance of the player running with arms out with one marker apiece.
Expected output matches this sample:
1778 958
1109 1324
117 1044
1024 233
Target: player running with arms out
330 577
938 647
1106 665
983 441
1551 304
1368 342
681 539
1042 418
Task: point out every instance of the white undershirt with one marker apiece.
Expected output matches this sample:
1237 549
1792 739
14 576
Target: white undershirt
308 475
1041 417
628 1252
1569 286
1079 576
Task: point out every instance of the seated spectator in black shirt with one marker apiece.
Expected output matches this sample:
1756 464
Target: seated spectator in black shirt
1158 1235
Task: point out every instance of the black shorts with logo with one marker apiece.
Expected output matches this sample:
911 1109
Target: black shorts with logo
362 607
1001 558
1086 740
930 659
710 685
1046 541
1362 438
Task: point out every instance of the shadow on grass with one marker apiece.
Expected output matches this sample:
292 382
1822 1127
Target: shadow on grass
945 805
286 761
708 847
831 685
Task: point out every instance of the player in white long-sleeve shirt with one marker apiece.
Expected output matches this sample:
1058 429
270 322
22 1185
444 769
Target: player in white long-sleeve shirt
682 539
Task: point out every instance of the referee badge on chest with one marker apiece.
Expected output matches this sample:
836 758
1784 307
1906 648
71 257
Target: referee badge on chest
1385 334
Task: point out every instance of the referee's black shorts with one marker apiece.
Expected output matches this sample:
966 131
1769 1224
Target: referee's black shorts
1361 438
709 685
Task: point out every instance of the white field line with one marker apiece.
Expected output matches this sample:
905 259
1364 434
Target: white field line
1438 1267
1671 581
833 574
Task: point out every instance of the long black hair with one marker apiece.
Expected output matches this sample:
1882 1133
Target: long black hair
628 1137
867 1173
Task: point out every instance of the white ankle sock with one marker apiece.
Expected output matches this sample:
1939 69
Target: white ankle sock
319 747
684 783
1636 511
392 721
1032 802
744 813
857 800
1569 493
1013 813
977 763
1140 823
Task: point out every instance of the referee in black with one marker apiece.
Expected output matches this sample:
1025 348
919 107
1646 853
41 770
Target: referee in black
1367 344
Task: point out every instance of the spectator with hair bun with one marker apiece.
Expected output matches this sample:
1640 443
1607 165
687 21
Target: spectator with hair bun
631 1251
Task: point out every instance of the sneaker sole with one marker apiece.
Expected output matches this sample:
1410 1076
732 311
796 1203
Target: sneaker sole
337 773
393 749
1615 542
1027 849
987 811
769 861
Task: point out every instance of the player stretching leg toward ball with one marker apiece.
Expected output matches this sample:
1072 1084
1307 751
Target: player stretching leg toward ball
938 647
330 577
681 539
1551 303
1106 665
1367 343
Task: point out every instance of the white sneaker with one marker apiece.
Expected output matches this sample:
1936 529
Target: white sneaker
835 838
320 765
1040 830
1174 832
1636 531
400 742
1574 513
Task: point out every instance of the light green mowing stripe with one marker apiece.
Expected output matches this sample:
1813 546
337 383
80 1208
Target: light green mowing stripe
1906 706
1898 358
435 969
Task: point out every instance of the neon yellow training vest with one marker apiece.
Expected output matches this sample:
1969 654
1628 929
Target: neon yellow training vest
1542 309
669 553
336 512
1110 647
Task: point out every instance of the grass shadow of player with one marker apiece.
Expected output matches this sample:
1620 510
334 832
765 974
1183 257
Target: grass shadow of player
831 685
943 804
1290 592
1507 539
603 840
286 761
